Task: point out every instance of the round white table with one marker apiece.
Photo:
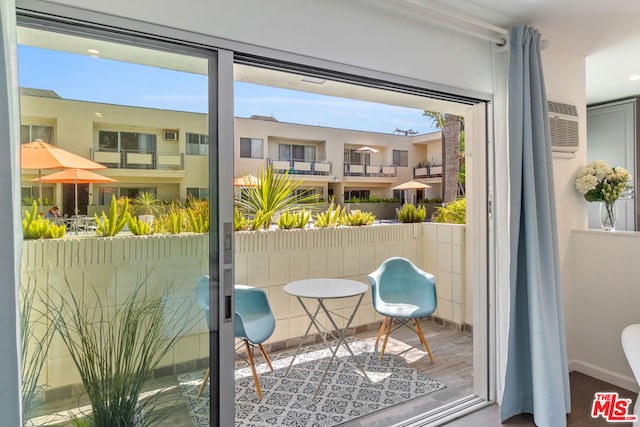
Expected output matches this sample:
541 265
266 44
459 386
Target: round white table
319 290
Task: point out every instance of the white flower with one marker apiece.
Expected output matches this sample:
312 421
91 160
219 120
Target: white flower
586 183
599 182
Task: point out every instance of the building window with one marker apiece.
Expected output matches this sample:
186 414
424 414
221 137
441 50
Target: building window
251 148
105 193
355 157
400 158
357 194
133 142
297 153
29 133
197 144
198 192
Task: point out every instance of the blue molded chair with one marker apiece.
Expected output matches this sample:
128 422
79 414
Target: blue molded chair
254 322
400 290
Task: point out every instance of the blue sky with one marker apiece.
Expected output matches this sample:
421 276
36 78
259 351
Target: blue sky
100 80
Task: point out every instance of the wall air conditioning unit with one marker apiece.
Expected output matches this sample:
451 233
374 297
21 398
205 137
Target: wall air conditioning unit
563 123
170 134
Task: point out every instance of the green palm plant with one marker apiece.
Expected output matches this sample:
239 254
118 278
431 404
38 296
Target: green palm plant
275 193
146 203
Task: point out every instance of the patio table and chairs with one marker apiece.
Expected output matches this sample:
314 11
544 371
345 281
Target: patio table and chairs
78 224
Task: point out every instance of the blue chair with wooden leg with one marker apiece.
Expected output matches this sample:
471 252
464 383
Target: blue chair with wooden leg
400 290
254 322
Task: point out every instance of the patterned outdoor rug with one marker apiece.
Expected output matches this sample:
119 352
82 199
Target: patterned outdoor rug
345 394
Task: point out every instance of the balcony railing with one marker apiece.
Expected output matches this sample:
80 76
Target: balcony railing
427 171
133 159
352 169
302 167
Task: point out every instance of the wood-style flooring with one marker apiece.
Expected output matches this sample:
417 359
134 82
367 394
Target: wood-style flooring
452 366
583 389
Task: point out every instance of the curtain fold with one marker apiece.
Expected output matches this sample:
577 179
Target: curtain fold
537 377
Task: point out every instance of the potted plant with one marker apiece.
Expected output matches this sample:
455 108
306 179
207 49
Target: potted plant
146 205
116 349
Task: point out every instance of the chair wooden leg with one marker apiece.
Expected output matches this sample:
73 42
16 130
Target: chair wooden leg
386 337
253 369
382 326
422 338
204 382
266 357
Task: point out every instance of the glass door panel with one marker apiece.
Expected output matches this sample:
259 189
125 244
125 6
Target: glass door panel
124 285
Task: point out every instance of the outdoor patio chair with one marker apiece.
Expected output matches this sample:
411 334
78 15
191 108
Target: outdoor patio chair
254 322
402 291
631 345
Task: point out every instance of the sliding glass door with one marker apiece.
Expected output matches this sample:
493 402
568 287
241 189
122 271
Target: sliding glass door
127 333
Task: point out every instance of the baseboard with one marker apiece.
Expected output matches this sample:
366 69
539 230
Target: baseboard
602 374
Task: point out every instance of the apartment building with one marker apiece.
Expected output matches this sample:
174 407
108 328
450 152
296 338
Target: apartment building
166 152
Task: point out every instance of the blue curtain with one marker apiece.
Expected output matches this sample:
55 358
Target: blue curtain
537 377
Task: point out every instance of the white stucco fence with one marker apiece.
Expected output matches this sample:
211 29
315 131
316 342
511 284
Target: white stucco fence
266 259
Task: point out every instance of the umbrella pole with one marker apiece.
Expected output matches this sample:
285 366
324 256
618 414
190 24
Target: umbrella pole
40 186
76 198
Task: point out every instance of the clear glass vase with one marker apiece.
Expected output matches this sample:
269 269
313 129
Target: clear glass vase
608 216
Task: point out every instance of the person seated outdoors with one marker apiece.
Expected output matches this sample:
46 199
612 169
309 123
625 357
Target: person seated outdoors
53 215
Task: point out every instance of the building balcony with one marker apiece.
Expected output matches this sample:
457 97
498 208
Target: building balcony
427 171
351 169
134 159
302 167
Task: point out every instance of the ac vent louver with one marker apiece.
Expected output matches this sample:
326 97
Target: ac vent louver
563 123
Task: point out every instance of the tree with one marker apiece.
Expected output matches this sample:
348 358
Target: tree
451 127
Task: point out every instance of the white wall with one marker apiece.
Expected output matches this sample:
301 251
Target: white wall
564 74
348 32
606 299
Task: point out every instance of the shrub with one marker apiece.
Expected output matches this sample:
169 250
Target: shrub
287 220
332 217
139 227
453 213
357 218
36 227
409 213
302 218
240 222
117 219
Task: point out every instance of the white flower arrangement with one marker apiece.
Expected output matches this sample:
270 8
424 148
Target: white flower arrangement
598 182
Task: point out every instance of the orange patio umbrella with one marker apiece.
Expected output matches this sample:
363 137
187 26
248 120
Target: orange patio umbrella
42 155
74 176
